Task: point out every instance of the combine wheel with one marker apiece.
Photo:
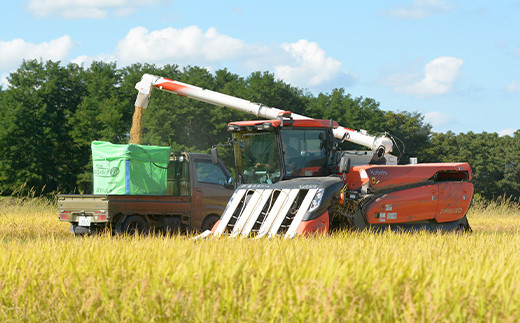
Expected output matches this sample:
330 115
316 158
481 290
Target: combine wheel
135 225
209 222
464 225
360 223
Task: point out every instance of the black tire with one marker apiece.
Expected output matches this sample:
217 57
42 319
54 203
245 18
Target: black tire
209 222
79 232
135 225
360 223
464 225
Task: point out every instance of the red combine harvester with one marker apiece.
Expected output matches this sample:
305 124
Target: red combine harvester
295 180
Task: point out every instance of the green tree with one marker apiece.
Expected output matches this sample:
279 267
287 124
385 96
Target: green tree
493 163
412 135
264 88
179 122
35 146
354 113
510 184
99 116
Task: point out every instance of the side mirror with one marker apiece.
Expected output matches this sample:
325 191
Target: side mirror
214 156
344 165
230 183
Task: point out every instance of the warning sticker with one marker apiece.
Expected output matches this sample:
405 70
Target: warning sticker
392 216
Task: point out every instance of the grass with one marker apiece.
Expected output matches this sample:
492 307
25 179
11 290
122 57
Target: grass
48 275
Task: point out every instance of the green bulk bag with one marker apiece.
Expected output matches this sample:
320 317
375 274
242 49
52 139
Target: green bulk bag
129 169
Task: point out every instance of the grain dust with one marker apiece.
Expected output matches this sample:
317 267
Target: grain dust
136 130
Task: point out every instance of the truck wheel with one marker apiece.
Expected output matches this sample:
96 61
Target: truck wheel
78 231
209 222
135 225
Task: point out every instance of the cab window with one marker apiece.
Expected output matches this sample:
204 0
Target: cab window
305 152
208 172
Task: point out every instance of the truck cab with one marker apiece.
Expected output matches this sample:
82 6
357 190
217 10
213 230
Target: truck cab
209 185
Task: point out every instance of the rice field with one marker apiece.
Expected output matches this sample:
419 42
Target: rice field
46 274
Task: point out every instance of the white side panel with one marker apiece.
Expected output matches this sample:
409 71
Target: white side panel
246 214
283 212
230 209
256 213
301 212
268 222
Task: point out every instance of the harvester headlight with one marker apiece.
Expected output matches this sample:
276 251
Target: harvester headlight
266 126
233 128
316 201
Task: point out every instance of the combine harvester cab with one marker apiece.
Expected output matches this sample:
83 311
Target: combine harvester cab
296 181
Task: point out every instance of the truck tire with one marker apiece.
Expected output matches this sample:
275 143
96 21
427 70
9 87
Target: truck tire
135 225
78 231
209 222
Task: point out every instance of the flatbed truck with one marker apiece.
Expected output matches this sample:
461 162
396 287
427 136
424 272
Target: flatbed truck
198 189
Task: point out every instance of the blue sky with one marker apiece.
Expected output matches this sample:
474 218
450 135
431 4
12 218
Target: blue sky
455 62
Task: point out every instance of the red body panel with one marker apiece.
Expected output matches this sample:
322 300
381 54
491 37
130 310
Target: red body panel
416 204
454 200
388 176
443 201
215 226
320 224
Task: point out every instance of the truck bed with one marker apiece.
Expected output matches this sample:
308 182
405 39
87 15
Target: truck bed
106 208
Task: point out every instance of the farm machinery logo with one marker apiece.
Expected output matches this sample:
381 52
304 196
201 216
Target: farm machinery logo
378 172
454 210
373 173
106 172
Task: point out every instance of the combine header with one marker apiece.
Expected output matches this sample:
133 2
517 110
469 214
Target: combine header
296 181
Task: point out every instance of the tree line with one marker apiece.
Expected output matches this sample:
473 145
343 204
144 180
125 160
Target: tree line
50 114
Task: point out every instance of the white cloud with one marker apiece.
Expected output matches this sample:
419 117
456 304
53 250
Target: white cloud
178 45
439 77
507 132
302 63
418 9
87 60
310 63
513 87
437 119
71 9
14 51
